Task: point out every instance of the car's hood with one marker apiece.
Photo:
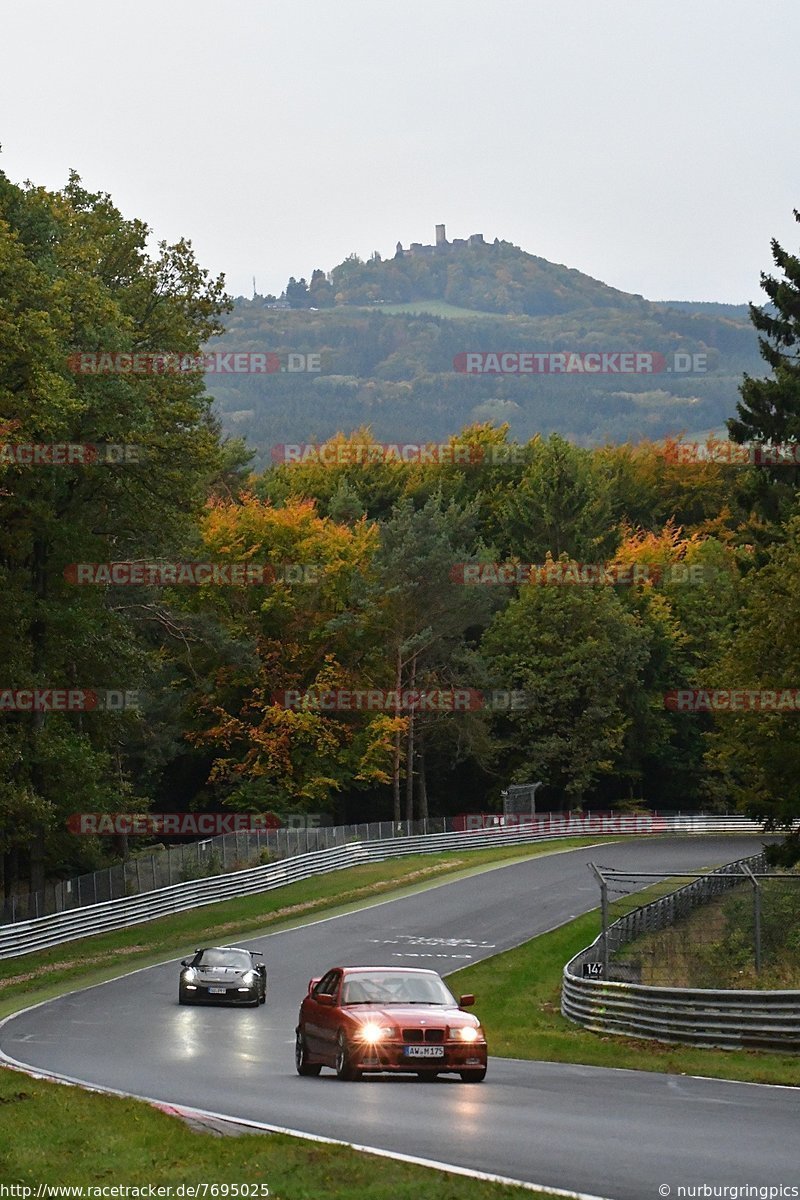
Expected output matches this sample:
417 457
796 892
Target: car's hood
411 1016
219 975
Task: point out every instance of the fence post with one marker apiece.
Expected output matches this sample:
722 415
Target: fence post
756 916
604 915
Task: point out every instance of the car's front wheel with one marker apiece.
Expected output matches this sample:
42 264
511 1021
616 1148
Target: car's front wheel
344 1070
183 998
304 1067
476 1076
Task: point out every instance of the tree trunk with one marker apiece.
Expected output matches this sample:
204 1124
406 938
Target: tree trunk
396 761
36 848
410 750
422 783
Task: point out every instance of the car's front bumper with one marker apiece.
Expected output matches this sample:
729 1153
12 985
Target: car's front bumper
385 1056
200 994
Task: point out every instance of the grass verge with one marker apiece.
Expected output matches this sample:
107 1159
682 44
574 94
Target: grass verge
64 1135
519 997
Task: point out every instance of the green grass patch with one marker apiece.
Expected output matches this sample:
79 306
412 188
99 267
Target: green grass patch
434 308
47 973
519 998
64 1135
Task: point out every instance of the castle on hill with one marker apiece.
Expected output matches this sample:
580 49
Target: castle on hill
441 244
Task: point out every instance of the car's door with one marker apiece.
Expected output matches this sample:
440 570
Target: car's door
315 1015
330 1017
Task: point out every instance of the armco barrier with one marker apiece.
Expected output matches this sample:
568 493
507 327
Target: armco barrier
162 866
42 932
725 1018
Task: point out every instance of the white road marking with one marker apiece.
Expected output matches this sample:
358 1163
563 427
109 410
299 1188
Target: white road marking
414 954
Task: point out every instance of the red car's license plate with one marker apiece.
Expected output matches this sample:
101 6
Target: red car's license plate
217 991
424 1051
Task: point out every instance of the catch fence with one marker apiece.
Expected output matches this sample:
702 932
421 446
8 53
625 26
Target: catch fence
224 854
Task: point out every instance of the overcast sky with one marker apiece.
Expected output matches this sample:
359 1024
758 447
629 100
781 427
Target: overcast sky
652 144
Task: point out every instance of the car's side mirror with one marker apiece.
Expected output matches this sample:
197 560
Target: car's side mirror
326 999
184 962
312 983
466 1001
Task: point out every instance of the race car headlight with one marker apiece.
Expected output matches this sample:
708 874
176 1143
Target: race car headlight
189 975
375 1033
468 1033
250 977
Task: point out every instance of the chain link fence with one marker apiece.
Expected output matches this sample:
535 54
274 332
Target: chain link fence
737 927
164 865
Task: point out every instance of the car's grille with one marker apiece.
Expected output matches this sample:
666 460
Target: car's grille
432 1036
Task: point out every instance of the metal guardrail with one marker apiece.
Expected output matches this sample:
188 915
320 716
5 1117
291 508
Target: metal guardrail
40 933
724 1018
163 866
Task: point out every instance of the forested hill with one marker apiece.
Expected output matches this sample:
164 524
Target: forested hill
496 278
388 339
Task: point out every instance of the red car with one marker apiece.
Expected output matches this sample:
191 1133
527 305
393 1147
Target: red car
369 1019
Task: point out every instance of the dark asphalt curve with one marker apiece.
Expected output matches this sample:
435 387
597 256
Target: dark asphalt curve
611 1133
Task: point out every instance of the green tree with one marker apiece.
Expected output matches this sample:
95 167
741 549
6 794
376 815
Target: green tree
575 653
421 617
561 505
759 752
76 278
769 410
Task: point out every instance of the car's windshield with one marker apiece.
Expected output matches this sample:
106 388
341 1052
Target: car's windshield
238 960
395 987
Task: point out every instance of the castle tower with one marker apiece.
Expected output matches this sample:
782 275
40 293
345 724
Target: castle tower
441 240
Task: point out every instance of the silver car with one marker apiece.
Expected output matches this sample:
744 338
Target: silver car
223 975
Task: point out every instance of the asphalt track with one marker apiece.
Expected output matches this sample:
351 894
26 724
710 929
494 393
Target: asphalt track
617 1134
